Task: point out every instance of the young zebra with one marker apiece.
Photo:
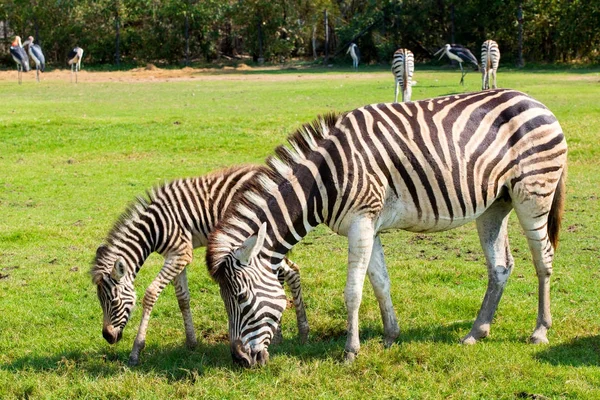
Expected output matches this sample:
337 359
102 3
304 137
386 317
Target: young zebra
490 58
425 166
176 218
403 67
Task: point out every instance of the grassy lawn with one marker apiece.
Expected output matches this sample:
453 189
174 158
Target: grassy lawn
73 156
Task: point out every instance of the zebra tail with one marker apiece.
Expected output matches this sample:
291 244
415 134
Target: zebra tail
556 210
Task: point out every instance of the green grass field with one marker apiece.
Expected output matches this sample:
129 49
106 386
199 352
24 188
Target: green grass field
73 156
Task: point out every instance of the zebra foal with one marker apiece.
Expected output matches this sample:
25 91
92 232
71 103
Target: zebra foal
403 67
176 218
490 58
425 166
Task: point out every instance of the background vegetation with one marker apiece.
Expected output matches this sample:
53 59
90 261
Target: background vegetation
73 156
178 32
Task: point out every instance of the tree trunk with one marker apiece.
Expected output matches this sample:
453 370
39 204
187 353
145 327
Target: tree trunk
520 62
326 60
314 42
187 38
452 40
117 37
261 58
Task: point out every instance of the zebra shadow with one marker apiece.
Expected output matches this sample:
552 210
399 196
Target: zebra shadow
174 362
579 352
326 343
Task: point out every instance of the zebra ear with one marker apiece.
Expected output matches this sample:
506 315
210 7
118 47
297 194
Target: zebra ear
118 270
252 245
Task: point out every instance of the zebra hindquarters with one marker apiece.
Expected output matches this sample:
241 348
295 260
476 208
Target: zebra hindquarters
538 200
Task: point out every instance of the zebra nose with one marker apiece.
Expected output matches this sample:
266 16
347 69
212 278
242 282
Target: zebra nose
262 357
111 334
241 354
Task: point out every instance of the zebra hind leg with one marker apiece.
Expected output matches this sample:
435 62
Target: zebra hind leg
380 280
492 227
183 298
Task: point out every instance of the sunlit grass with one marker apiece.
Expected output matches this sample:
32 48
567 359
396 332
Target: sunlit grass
73 156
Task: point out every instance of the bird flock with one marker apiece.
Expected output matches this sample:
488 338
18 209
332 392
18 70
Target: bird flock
22 52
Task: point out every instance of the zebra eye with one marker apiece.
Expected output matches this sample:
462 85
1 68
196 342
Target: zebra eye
242 297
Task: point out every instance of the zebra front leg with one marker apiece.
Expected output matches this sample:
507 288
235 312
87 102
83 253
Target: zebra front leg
183 298
380 281
292 278
167 274
492 227
360 246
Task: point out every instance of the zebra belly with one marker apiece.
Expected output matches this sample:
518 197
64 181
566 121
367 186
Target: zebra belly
400 214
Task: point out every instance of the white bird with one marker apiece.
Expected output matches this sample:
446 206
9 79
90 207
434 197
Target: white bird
18 54
459 54
35 52
355 54
75 56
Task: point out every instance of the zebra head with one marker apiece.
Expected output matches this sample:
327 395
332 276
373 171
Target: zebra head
114 284
253 297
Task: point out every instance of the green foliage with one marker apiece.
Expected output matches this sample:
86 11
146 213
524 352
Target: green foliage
73 157
159 31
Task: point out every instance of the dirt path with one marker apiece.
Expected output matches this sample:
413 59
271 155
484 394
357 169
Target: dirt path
154 74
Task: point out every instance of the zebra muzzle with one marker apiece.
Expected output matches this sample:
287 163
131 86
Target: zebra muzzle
246 358
111 334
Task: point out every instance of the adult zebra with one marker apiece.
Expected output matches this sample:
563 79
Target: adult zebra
424 166
177 218
490 58
403 67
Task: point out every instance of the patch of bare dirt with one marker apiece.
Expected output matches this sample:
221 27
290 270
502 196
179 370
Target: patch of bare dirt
152 73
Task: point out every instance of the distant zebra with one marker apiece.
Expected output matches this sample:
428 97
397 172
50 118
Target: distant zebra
490 58
425 166
403 67
355 54
176 218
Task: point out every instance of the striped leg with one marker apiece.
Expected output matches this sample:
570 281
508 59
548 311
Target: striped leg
396 91
292 278
380 281
174 265
183 298
492 227
360 246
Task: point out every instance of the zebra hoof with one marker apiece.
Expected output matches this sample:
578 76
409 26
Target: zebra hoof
538 340
349 357
133 361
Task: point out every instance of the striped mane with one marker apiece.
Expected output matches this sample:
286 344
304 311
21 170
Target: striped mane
301 143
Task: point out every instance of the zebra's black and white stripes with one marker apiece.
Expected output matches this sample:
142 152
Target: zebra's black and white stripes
403 67
176 218
490 58
424 166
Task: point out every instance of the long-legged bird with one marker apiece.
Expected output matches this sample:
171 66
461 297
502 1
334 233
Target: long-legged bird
355 54
459 54
18 54
35 52
75 56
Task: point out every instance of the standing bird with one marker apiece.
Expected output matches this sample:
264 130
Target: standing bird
403 66
490 58
355 54
18 54
35 52
75 56
459 54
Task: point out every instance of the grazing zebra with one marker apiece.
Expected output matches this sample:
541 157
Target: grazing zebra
490 58
355 54
74 60
176 218
403 66
425 166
